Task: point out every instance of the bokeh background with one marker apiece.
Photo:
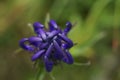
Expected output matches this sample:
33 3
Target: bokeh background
96 33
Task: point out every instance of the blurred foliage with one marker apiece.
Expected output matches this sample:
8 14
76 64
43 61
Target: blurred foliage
96 34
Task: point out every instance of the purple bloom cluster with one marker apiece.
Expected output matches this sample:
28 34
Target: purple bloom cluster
52 46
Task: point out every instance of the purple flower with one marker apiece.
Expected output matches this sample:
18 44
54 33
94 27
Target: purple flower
52 46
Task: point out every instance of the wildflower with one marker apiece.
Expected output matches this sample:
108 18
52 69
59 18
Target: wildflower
52 45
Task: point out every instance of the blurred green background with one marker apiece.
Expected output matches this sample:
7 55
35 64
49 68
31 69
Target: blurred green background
96 32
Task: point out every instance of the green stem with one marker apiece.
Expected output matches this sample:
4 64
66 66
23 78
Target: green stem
52 77
82 64
40 75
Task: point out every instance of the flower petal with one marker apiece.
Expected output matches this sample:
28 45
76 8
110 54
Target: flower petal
68 58
37 26
57 47
49 50
26 46
65 46
53 33
37 55
48 64
42 33
57 55
52 25
58 41
36 41
68 27
67 40
44 45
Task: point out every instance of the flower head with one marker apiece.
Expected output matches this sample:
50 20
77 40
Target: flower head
52 46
